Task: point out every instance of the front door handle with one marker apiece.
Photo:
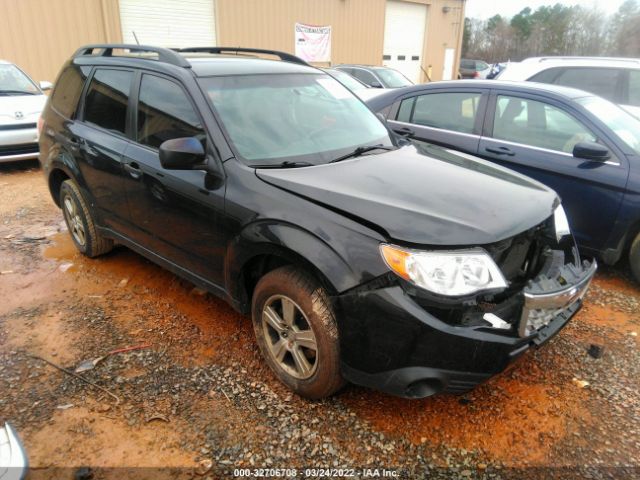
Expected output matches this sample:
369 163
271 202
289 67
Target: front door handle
134 169
405 132
501 151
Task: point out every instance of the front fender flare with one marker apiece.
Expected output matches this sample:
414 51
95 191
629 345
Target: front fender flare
286 240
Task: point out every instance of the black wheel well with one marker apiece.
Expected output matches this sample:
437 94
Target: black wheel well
56 177
258 266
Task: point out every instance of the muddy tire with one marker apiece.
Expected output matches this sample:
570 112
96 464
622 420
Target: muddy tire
297 333
634 258
80 223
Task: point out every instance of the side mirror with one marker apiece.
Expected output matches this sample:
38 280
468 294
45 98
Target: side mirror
181 153
376 84
591 151
44 85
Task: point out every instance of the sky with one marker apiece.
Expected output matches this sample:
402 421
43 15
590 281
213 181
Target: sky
488 8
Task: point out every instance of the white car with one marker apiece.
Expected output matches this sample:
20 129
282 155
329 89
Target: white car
363 91
21 101
615 79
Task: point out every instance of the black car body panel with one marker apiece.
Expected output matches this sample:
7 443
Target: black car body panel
224 224
379 189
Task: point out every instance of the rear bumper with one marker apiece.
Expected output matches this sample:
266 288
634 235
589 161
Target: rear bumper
390 343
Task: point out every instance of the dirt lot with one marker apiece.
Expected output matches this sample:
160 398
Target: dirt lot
200 401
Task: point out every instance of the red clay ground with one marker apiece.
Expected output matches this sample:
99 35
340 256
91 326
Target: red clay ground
201 398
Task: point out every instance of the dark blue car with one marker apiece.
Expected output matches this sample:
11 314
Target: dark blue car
582 146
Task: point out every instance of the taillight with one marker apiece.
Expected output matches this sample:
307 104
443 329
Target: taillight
40 125
476 74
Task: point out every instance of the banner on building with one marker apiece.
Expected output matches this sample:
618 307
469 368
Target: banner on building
313 43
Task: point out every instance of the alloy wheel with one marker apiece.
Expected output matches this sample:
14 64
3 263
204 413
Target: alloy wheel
74 222
289 336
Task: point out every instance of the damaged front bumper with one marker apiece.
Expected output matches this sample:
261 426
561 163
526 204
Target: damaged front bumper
13 460
391 342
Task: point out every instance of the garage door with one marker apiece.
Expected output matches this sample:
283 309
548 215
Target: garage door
404 30
168 23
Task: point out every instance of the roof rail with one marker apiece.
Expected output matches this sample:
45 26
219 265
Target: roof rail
164 54
285 57
606 59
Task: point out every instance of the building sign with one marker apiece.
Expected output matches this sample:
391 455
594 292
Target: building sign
313 44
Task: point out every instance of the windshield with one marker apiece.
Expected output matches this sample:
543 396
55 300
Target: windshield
13 81
292 117
347 80
393 78
625 125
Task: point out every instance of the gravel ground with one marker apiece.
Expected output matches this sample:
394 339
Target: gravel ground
198 402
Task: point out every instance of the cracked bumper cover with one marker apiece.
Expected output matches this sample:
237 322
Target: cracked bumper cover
390 343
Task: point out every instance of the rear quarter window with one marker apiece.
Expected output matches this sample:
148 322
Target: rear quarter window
68 89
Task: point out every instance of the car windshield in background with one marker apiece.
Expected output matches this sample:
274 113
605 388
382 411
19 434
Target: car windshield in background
14 82
393 78
274 118
625 125
347 80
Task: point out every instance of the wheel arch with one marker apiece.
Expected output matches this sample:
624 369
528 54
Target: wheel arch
265 246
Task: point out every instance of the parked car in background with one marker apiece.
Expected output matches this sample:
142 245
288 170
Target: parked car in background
13 460
356 86
376 77
474 69
21 101
272 186
615 79
586 148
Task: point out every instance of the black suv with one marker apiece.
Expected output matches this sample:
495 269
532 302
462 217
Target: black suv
411 269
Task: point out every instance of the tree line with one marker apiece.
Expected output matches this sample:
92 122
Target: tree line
554 30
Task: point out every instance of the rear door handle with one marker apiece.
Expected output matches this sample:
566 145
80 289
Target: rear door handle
134 169
501 151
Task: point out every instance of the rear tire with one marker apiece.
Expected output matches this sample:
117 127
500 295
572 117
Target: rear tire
80 223
297 333
634 258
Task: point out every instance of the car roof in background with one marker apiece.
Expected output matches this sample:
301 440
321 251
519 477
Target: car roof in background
586 61
5 62
387 98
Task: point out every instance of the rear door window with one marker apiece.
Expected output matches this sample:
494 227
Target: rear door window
68 89
364 76
107 99
603 82
165 113
538 124
634 88
449 111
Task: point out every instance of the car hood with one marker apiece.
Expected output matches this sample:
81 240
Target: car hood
424 195
21 108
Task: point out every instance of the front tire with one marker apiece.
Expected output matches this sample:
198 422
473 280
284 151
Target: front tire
80 223
634 258
296 331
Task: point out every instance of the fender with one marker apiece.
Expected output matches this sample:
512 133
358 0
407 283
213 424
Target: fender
287 240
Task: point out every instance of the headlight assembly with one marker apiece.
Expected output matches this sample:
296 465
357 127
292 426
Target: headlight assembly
445 272
561 223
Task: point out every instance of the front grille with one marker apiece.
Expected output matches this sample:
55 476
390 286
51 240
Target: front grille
18 149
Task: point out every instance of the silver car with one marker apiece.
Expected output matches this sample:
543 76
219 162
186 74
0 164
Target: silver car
13 460
21 101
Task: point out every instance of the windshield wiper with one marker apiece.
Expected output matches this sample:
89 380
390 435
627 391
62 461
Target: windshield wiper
16 92
359 151
286 164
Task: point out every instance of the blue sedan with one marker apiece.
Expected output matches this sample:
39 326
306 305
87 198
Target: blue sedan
582 146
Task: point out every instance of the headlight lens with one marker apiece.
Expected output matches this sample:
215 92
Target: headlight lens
452 273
